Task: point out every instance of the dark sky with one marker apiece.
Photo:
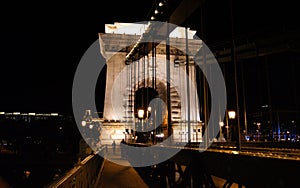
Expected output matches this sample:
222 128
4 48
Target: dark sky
41 46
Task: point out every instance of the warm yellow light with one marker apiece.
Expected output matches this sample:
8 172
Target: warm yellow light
16 113
160 4
27 173
149 108
231 114
161 135
221 123
141 113
2 113
54 114
31 114
83 123
156 12
152 18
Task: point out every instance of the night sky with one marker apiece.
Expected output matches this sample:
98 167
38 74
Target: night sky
41 50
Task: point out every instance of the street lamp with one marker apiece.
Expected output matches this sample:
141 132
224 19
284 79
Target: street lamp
258 131
141 113
141 116
221 123
231 114
83 123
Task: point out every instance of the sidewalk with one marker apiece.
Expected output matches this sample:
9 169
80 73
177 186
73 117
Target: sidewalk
115 175
120 174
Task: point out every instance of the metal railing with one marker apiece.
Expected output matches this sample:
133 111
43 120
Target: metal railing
83 174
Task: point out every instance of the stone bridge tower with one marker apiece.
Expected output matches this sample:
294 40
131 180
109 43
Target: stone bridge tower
124 80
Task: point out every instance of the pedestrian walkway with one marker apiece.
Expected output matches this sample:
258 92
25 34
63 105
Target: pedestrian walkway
119 173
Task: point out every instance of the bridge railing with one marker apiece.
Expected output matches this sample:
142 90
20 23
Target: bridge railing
83 174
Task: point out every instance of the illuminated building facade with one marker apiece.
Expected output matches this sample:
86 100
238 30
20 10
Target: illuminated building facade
130 86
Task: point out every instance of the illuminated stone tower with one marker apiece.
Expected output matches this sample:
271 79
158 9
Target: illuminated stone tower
124 80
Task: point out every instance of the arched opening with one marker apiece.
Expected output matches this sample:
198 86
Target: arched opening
151 122
143 96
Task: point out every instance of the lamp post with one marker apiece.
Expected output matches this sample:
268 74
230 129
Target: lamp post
86 122
151 124
227 128
231 115
258 131
221 123
141 114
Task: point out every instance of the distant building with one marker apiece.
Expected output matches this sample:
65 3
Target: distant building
272 124
28 117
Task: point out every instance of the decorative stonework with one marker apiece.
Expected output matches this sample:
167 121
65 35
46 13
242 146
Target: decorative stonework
114 47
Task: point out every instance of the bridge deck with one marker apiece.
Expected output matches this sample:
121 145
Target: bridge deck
114 175
119 173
